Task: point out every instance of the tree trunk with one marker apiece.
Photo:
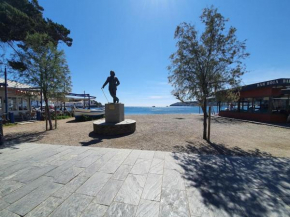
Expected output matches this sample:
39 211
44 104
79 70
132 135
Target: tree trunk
47 112
204 119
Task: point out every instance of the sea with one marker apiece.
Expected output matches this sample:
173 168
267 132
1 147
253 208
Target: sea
132 110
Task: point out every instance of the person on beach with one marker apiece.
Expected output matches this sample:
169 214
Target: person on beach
113 83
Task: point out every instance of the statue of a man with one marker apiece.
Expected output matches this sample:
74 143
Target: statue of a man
113 83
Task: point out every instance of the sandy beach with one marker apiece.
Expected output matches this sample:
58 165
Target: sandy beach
174 132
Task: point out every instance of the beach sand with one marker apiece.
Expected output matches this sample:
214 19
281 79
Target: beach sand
174 132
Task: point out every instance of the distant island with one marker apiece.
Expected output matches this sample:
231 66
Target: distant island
190 103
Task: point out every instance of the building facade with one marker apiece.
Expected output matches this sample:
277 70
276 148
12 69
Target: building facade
265 102
19 97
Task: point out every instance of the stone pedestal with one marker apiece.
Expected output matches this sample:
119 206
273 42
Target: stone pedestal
125 127
115 122
114 112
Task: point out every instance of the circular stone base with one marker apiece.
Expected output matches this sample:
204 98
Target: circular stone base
125 127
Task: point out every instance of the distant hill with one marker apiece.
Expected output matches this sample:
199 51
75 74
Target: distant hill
191 103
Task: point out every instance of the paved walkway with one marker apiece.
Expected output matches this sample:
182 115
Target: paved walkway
51 180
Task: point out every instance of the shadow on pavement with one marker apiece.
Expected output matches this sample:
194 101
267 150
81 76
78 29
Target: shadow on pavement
223 185
23 137
208 148
10 140
72 121
99 138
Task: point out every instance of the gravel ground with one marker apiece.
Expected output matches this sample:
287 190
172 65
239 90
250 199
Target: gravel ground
178 132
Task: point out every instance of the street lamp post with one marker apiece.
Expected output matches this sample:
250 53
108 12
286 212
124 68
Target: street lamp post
6 94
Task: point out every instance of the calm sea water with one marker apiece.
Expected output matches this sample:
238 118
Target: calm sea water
164 110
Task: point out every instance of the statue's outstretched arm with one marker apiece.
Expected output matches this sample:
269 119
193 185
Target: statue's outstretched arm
107 81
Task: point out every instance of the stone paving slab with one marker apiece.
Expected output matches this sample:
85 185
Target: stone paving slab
32 173
95 210
56 180
108 192
148 208
152 189
8 186
157 166
73 206
121 209
3 204
94 184
33 199
141 166
132 189
70 187
122 172
26 189
45 208
6 213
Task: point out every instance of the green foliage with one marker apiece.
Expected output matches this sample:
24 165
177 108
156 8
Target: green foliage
63 117
46 67
87 118
60 117
203 65
9 124
19 18
207 63
95 103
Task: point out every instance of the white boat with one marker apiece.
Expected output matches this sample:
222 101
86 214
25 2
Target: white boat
91 113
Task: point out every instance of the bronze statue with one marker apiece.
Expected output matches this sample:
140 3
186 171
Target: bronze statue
113 83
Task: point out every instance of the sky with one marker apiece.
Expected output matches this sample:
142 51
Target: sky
136 37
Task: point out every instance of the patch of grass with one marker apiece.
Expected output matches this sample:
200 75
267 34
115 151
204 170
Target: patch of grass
88 118
63 117
60 117
9 124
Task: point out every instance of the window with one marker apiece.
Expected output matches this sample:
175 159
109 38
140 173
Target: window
12 103
257 105
246 105
25 104
279 105
264 108
20 107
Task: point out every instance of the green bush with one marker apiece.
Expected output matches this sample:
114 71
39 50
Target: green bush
63 117
59 117
87 118
9 124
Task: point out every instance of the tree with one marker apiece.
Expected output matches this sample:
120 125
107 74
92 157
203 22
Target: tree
46 68
19 18
205 64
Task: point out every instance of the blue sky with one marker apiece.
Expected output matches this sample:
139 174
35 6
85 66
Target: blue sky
135 38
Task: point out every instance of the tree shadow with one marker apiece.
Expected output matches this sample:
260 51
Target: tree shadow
99 138
236 182
12 139
209 148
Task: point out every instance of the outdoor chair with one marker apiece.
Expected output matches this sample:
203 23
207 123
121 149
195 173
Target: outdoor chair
30 115
4 119
21 116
